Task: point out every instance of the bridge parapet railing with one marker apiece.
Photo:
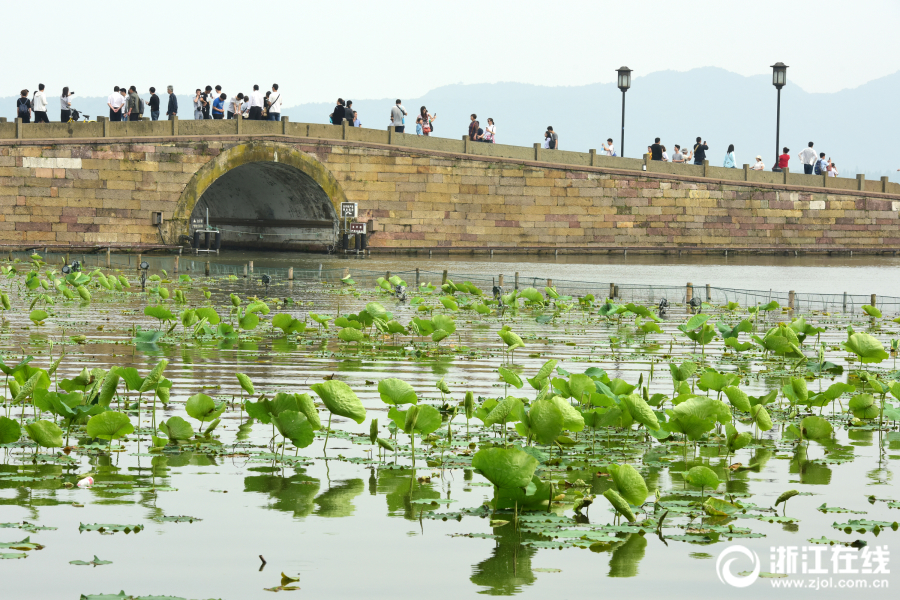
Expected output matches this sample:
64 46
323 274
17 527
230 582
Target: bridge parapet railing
13 131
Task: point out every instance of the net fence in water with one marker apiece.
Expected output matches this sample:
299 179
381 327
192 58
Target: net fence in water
637 293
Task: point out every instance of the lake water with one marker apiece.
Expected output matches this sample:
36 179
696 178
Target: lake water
349 525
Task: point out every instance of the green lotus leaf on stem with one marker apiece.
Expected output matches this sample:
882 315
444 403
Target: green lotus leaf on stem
10 431
863 406
45 434
641 412
246 384
294 425
866 347
203 408
109 425
340 400
177 428
619 503
702 477
545 421
816 428
629 483
738 398
510 377
505 467
396 391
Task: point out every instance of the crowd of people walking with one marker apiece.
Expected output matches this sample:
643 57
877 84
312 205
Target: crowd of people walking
813 163
126 104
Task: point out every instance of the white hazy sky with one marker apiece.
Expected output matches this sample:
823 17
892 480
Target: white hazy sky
319 50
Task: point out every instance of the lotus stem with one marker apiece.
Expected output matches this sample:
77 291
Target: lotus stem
327 432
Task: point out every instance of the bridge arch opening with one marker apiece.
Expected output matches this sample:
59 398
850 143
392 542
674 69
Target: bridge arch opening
263 195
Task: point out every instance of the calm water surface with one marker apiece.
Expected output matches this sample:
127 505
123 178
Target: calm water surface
345 523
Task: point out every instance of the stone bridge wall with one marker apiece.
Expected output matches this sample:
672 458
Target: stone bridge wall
99 183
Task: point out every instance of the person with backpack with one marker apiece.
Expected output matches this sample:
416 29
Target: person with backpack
39 104
821 164
553 139
23 107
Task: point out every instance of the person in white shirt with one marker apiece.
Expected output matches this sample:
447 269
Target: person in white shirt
256 104
609 148
398 117
234 106
274 112
808 157
832 169
759 166
546 143
490 132
40 105
115 104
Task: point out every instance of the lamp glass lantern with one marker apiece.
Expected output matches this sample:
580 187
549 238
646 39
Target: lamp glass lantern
624 81
779 74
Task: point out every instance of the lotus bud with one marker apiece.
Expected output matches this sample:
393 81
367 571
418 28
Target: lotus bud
411 416
373 430
470 405
86 482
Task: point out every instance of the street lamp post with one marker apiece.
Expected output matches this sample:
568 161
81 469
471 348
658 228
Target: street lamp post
624 83
779 79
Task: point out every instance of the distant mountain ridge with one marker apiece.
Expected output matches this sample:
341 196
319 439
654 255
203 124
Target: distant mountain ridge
854 127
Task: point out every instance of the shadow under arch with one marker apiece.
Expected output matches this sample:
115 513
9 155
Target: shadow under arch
263 195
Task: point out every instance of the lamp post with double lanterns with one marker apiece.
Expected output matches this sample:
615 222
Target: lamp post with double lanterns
624 83
779 79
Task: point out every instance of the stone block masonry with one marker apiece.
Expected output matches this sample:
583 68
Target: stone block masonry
104 191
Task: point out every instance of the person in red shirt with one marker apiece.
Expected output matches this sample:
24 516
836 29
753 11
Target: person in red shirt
784 158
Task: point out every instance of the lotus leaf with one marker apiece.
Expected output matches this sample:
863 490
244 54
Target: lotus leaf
572 419
738 398
340 399
510 377
396 391
545 421
109 425
619 503
867 348
702 477
45 433
177 428
641 412
863 406
294 426
816 428
505 467
629 483
203 408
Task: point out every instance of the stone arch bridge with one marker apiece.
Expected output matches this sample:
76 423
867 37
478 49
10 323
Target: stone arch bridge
278 185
